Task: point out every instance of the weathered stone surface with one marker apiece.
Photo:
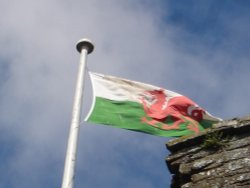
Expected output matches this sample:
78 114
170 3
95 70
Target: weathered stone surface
195 164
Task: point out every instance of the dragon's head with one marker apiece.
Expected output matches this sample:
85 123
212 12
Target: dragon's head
195 112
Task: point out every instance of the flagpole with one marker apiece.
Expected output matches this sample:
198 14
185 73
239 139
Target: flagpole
84 47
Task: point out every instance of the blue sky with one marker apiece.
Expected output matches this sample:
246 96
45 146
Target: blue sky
199 49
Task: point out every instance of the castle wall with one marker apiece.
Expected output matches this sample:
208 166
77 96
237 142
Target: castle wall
219 157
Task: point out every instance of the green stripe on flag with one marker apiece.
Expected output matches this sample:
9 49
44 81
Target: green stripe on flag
127 115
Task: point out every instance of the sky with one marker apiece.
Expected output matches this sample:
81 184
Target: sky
197 48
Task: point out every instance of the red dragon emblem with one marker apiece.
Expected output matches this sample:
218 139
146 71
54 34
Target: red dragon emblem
158 106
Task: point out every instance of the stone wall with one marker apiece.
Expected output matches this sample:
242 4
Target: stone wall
219 157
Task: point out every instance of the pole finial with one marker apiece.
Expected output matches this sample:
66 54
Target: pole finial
85 43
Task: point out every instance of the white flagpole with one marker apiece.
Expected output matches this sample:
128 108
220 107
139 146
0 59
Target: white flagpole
84 47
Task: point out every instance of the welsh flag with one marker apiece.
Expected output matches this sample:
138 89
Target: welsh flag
146 108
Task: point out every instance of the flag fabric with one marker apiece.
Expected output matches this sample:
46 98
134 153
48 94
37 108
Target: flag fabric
145 108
